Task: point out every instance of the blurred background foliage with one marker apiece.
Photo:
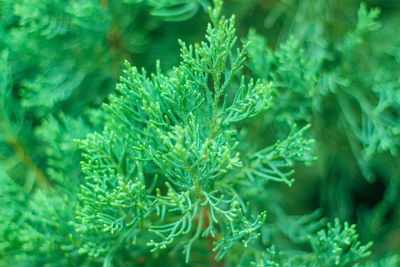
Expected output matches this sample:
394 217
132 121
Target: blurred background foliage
333 64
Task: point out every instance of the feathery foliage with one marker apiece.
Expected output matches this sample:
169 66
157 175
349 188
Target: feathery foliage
232 151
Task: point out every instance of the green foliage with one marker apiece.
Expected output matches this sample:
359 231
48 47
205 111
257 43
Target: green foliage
232 151
338 246
345 82
57 134
35 228
176 129
176 10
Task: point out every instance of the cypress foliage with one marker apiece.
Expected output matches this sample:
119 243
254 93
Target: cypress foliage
258 146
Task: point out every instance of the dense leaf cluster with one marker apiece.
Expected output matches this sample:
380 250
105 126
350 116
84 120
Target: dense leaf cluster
250 151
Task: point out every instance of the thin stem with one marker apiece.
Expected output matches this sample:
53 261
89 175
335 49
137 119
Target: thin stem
195 237
27 161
